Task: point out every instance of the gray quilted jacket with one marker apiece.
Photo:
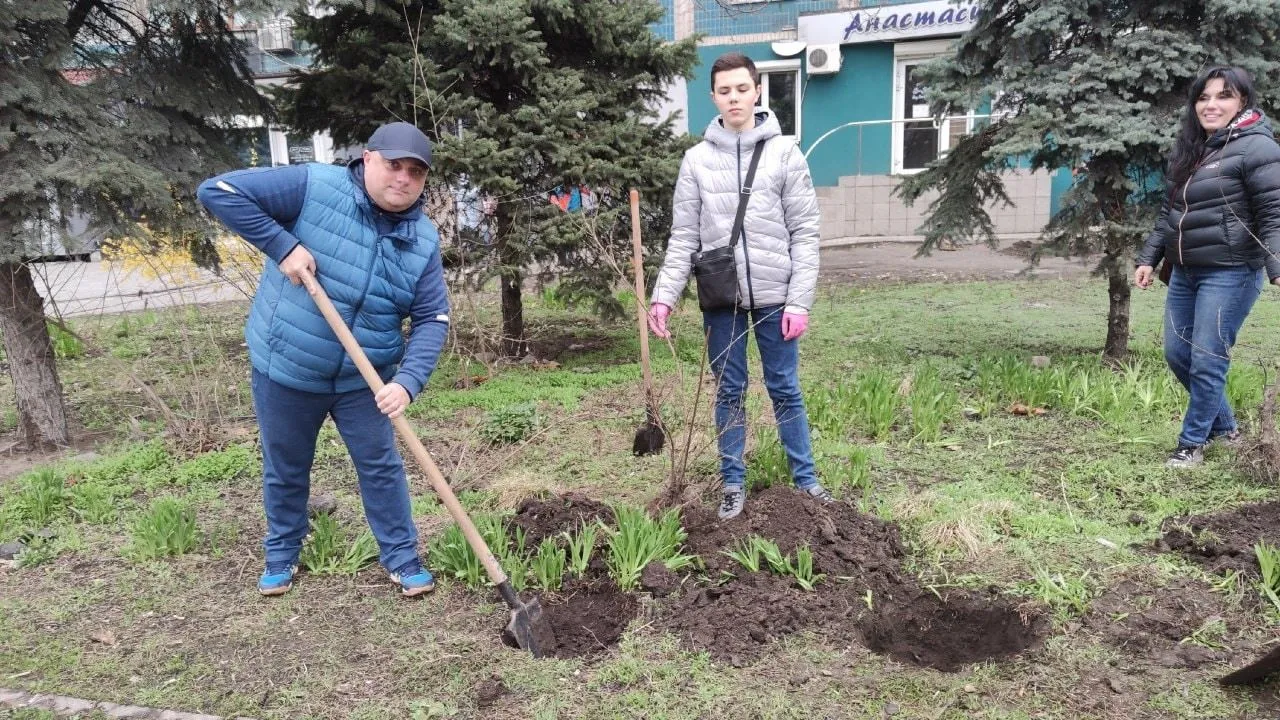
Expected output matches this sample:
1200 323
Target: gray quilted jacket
778 252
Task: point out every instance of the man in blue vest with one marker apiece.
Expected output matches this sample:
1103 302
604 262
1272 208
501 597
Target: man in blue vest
361 230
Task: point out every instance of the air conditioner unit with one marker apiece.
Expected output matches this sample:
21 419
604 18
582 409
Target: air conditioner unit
822 59
276 37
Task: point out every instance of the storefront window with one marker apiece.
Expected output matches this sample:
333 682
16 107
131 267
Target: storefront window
917 140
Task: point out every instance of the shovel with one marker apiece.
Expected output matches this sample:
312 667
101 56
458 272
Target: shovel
527 628
1254 671
649 438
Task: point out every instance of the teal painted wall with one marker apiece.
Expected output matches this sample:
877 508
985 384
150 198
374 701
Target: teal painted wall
1060 184
862 90
701 110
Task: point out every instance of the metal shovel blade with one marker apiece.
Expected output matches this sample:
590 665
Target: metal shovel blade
1256 670
527 629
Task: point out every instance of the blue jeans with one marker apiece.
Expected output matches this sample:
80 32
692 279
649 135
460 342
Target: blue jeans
727 349
1204 310
289 422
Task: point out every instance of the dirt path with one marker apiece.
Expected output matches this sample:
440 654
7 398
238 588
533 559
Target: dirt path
895 262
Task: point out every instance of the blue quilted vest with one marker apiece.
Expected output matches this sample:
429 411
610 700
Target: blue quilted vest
371 278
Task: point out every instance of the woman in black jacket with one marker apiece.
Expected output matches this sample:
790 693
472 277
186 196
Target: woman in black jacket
1219 230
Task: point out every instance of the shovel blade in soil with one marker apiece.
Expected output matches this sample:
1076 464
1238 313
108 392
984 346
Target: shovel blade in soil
1254 671
528 629
649 440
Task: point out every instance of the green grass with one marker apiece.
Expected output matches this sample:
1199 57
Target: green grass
1035 509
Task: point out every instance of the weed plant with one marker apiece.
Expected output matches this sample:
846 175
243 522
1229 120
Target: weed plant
874 404
92 503
1068 596
43 497
767 463
933 405
217 466
509 424
1269 564
754 552
168 527
580 546
639 540
65 345
548 565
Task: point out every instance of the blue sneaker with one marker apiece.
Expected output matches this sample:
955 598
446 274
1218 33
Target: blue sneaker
276 579
414 579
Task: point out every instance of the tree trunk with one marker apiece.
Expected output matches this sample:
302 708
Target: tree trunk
510 278
513 344
42 414
1117 347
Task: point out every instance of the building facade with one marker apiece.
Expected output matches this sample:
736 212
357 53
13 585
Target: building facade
272 51
840 76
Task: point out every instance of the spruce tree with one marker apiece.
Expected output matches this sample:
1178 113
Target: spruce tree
110 110
522 97
1091 85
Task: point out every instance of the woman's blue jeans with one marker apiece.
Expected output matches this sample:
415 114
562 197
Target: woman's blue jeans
1204 310
727 349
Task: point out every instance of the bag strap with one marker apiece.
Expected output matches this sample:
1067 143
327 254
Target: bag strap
744 194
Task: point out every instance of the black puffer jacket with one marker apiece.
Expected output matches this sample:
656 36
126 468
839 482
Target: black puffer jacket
1229 208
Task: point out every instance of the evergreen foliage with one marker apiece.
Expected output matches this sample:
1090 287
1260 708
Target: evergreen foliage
521 97
1090 86
110 112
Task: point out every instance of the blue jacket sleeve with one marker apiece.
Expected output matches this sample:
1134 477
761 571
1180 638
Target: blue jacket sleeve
258 204
428 328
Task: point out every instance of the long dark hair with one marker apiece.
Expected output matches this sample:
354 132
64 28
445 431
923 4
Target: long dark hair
1191 137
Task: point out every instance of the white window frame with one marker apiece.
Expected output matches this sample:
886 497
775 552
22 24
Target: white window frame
915 53
780 66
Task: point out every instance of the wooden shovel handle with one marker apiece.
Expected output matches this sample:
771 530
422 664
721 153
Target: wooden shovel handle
642 314
406 433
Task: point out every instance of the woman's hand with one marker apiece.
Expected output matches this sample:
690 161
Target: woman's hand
1275 281
1142 276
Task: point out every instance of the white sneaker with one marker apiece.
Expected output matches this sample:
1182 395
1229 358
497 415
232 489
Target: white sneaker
732 503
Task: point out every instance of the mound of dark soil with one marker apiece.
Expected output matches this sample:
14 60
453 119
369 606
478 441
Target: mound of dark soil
844 542
1224 541
865 598
543 518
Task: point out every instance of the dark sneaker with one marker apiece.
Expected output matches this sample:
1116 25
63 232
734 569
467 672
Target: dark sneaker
732 502
1230 439
414 579
819 493
277 579
1186 456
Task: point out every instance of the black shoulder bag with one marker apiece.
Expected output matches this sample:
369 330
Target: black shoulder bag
717 270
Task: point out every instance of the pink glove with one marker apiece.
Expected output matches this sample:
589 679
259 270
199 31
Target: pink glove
794 325
658 313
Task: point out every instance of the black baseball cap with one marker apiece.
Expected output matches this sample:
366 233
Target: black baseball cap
399 140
